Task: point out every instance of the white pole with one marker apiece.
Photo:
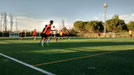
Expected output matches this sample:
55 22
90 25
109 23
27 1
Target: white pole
2 24
105 9
16 25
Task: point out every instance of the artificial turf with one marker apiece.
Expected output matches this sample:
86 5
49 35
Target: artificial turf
120 62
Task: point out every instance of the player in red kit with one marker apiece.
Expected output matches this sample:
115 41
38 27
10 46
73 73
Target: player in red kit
46 34
34 34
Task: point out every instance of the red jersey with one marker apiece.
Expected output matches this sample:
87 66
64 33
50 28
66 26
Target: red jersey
47 29
34 32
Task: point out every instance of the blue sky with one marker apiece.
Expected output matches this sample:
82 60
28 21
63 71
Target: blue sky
69 10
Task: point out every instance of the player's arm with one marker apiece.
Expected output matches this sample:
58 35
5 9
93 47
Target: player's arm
53 30
43 30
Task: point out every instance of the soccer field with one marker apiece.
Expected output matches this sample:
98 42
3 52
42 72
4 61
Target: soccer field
78 56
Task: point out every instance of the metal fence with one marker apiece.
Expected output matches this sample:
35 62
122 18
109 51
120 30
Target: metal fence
28 34
108 35
5 34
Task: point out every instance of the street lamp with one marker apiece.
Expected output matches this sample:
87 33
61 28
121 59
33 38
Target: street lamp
105 9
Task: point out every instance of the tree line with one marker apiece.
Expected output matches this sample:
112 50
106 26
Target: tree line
112 25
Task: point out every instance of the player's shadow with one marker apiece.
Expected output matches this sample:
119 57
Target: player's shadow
33 53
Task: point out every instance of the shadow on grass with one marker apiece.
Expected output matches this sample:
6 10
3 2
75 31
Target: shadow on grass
118 63
59 45
107 64
59 48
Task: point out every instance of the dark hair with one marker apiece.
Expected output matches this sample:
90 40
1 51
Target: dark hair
51 21
45 26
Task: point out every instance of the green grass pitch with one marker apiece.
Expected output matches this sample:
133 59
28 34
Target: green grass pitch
78 56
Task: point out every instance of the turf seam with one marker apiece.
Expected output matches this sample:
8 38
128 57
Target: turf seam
76 58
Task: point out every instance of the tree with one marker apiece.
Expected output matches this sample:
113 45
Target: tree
115 24
94 26
65 30
72 31
115 16
79 25
131 25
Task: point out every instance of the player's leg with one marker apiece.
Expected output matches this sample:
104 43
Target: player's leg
41 38
20 38
67 37
62 37
130 35
44 38
55 37
34 37
48 40
59 37
43 42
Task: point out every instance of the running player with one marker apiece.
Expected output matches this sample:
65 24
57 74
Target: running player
61 34
42 36
22 34
130 33
55 33
67 34
46 34
34 34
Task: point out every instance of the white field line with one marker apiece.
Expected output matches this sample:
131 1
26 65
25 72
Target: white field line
28 65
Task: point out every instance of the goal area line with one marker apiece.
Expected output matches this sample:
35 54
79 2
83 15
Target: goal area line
26 64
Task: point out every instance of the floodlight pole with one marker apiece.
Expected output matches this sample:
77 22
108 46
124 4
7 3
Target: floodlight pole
16 25
105 10
2 24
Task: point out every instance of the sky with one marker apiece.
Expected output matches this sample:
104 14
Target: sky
35 14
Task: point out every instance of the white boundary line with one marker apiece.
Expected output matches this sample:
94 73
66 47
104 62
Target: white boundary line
28 65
